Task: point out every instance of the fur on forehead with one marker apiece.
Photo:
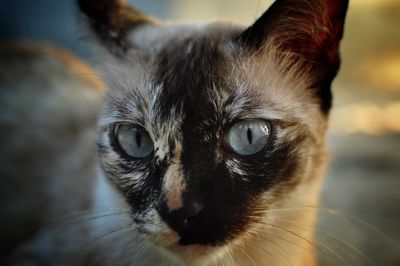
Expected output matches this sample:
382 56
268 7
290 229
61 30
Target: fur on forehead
134 77
148 39
155 37
267 76
137 65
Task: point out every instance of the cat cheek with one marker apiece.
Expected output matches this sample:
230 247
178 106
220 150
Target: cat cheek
234 168
149 225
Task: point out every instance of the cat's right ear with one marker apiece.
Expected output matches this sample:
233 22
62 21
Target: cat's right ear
112 21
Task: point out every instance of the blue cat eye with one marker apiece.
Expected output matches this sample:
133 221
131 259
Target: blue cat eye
134 140
248 137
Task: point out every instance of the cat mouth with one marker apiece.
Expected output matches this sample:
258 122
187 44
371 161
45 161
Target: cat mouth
194 249
179 247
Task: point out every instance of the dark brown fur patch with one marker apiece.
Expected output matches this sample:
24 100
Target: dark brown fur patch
112 20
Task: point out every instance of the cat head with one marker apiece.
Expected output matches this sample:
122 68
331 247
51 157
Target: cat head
206 127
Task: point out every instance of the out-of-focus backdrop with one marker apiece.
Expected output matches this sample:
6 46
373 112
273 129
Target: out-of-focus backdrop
363 181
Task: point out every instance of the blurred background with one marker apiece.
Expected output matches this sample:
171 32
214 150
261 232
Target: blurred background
363 180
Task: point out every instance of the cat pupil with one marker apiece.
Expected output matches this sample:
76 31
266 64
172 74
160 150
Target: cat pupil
138 138
249 135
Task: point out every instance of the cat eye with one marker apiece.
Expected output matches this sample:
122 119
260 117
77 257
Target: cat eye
248 137
133 140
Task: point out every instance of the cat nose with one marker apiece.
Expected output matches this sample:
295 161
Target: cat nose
182 219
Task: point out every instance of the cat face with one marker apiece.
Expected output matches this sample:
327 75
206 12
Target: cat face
206 127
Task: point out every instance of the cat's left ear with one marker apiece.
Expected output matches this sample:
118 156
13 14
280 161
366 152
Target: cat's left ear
112 21
308 30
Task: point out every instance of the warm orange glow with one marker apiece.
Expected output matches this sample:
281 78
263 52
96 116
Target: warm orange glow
372 2
381 72
392 116
367 118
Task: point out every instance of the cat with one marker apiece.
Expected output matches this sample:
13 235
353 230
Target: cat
48 114
211 137
208 131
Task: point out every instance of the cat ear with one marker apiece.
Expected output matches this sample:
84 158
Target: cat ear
309 30
306 27
112 21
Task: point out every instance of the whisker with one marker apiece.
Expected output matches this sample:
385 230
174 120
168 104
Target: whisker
289 231
88 212
261 248
245 253
71 220
343 241
125 246
295 234
220 261
83 219
230 257
286 240
362 222
259 235
326 247
115 230
334 212
305 248
280 248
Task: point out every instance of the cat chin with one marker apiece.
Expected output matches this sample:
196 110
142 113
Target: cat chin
196 254
168 242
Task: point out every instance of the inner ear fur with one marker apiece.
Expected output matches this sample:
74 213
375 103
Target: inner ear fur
112 21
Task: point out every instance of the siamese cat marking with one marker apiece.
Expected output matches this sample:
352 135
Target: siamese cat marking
208 130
